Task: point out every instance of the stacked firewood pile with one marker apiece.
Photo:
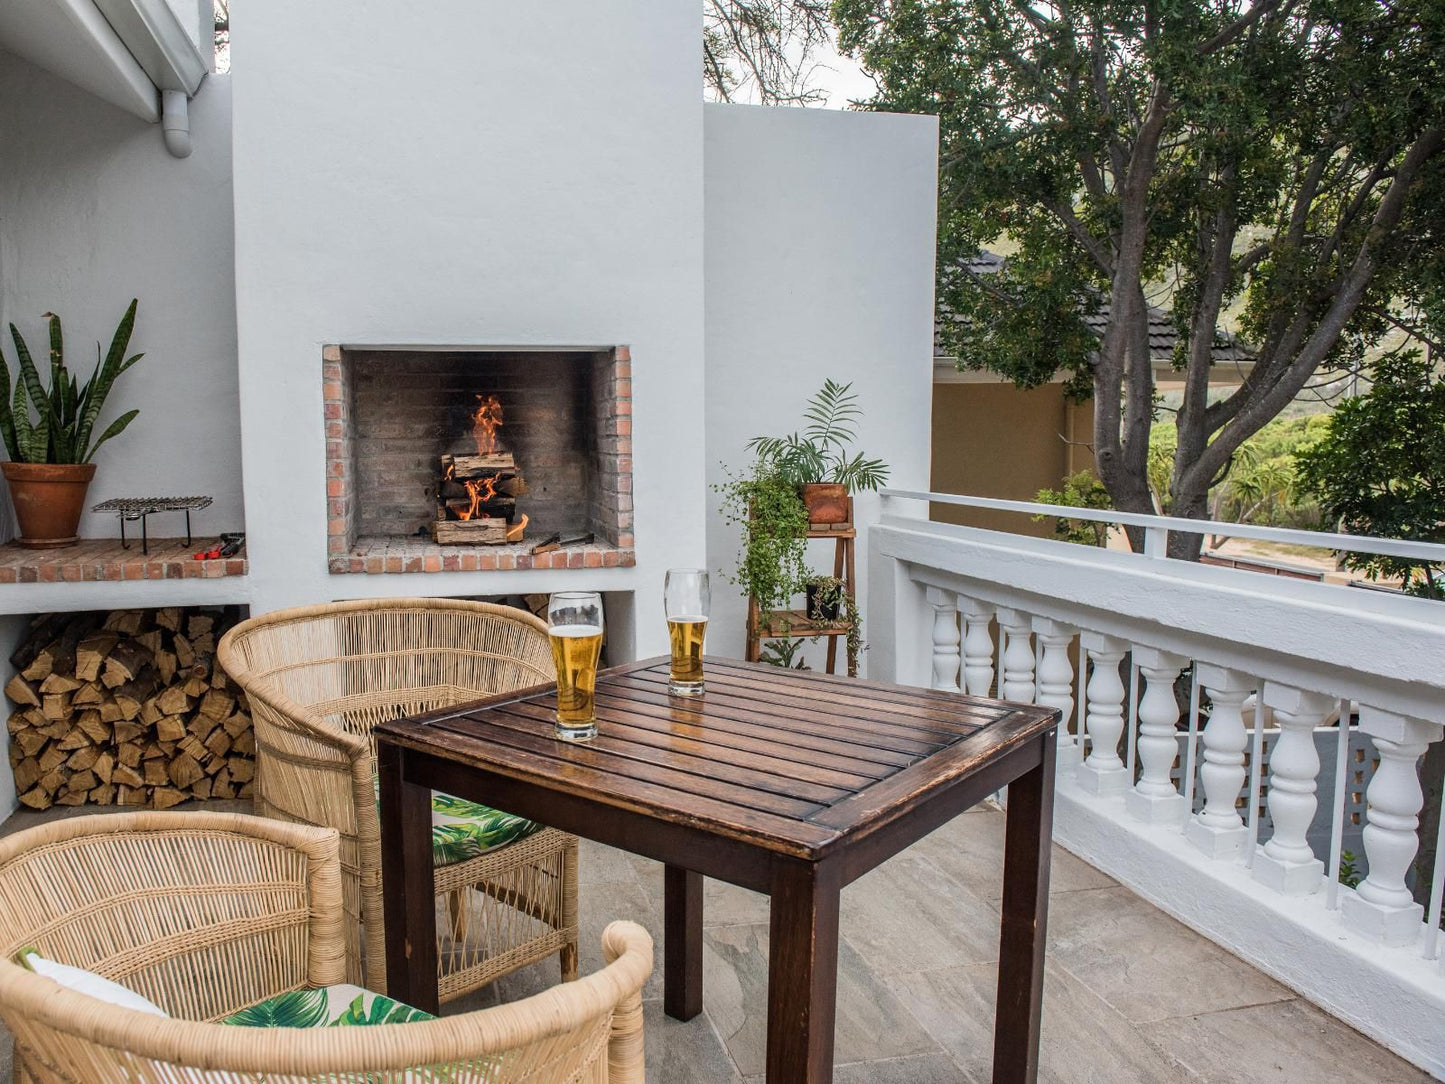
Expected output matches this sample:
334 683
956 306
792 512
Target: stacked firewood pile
128 708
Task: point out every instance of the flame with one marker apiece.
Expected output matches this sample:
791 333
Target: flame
485 421
479 492
515 532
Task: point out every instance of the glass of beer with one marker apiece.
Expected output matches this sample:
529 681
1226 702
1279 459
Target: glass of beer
574 623
688 598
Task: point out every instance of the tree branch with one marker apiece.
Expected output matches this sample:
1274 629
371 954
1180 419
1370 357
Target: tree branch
1238 27
1346 302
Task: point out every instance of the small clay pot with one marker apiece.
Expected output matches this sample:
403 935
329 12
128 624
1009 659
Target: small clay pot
827 502
48 499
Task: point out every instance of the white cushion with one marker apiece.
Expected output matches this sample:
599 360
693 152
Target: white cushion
88 983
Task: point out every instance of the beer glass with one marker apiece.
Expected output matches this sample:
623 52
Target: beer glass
574 624
687 598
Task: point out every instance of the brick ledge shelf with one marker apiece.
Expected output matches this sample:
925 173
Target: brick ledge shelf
104 560
376 556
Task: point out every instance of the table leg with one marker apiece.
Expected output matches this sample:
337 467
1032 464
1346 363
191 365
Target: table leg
802 971
682 943
1027 843
408 885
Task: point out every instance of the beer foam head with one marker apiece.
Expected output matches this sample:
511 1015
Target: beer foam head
576 630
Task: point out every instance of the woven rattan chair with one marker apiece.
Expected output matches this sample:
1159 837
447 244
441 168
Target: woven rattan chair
206 913
318 680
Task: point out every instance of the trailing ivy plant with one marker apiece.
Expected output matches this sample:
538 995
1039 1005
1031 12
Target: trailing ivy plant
65 413
774 524
820 453
831 595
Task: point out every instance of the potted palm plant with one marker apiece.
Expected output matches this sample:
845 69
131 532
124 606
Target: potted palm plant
48 432
818 460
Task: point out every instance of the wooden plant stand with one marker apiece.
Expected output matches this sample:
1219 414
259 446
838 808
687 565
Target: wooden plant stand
795 624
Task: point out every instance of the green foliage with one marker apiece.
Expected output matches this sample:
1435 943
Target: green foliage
783 654
1350 875
1079 490
1281 162
820 453
766 506
831 595
1380 468
1262 484
65 413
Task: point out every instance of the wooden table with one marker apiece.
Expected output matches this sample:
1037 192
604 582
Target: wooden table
792 784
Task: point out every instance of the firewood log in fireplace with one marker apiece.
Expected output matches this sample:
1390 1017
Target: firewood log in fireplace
477 500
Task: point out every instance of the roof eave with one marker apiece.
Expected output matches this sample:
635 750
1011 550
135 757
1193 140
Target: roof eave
159 42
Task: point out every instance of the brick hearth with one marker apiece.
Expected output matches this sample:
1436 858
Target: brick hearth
376 555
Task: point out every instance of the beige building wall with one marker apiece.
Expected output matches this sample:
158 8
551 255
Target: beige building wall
995 440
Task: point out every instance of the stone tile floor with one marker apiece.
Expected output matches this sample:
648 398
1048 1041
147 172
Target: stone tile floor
1130 995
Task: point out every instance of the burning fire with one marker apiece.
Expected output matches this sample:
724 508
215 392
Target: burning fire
485 421
478 492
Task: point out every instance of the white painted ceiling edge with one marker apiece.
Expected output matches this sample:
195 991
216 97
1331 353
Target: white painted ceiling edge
136 54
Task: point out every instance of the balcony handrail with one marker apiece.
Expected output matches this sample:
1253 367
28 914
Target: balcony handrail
1433 552
1316 703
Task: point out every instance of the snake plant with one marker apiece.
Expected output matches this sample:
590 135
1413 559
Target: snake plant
65 414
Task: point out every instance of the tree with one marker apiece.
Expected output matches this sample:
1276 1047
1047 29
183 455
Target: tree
1280 156
1380 468
764 48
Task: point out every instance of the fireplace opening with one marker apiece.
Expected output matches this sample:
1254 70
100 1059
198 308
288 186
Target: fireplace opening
465 459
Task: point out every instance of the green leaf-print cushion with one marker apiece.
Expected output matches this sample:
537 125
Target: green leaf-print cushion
462 830
338 1006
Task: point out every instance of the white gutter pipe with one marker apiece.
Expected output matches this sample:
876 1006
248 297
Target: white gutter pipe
176 123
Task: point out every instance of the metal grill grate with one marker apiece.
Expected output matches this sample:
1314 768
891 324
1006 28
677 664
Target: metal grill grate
135 507
130 509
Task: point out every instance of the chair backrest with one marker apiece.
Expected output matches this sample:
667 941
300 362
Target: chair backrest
356 664
152 900
140 898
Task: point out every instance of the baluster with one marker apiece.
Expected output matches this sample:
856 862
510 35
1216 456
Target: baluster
1217 829
945 639
1102 771
1056 683
1286 863
1154 797
1018 656
1382 908
977 646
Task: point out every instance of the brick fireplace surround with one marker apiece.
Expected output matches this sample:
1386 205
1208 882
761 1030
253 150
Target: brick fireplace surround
390 414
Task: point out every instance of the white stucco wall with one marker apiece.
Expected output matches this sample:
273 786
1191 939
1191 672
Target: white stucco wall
819 257
485 176
93 212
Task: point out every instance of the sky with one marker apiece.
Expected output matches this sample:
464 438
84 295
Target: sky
842 79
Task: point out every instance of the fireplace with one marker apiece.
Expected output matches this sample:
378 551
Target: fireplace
477 459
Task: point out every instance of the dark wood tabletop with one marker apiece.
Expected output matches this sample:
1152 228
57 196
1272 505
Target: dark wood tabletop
772 780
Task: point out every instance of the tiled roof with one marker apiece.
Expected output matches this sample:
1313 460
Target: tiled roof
1162 335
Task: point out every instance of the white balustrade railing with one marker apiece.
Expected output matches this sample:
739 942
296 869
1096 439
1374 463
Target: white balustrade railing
1237 812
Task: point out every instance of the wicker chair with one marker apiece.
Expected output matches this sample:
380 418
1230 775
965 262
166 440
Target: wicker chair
206 913
318 680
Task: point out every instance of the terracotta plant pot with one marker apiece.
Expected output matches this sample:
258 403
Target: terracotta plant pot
827 502
48 500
